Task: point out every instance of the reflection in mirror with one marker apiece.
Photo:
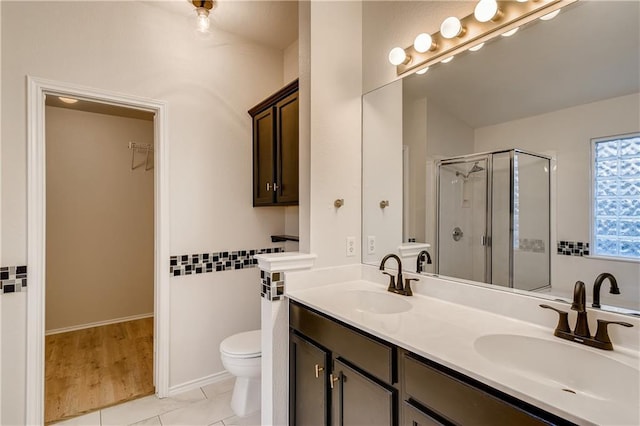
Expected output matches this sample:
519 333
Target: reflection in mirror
503 136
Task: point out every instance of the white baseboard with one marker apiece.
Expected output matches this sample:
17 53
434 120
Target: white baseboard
97 324
198 383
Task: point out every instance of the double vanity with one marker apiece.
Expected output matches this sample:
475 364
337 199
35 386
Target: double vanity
449 354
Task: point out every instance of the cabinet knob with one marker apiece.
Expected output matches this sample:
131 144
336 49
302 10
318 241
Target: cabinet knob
275 186
268 186
318 370
332 380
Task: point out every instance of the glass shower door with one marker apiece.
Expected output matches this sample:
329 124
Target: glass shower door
462 219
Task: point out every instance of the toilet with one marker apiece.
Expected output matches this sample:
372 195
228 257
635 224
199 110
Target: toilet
242 356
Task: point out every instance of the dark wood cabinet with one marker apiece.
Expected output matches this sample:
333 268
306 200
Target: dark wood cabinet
368 381
358 399
309 390
275 148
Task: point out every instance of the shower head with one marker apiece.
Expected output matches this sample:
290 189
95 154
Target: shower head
475 168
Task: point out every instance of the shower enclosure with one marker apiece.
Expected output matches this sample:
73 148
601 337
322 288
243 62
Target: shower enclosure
493 219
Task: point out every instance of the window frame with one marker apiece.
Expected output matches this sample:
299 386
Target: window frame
593 197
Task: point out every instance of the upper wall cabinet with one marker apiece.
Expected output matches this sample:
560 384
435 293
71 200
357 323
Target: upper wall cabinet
275 148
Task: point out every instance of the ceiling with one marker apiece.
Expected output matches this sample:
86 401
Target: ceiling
99 108
590 52
266 22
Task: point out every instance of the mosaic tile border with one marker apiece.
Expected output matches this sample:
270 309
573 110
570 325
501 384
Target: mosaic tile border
272 285
573 248
532 245
13 279
188 264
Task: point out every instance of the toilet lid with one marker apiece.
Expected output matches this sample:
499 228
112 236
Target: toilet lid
243 345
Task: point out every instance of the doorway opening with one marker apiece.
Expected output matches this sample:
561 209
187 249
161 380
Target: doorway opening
58 317
99 256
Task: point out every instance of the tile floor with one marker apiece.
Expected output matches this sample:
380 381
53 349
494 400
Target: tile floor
205 406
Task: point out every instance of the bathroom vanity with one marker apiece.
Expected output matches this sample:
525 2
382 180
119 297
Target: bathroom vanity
361 355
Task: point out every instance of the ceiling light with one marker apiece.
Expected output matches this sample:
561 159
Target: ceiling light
424 43
397 56
551 15
422 71
451 27
476 47
446 61
510 32
521 1
202 14
67 100
487 10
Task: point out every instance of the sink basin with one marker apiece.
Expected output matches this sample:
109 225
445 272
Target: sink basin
563 366
374 302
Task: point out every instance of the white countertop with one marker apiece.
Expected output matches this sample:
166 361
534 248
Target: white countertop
445 332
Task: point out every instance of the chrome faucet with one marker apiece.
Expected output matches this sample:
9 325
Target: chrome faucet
613 289
421 259
580 333
395 283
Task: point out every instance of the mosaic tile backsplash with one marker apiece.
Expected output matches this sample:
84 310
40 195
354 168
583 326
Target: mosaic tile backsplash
188 264
13 279
573 248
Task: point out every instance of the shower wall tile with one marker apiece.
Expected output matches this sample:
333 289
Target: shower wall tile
13 279
573 248
532 245
188 264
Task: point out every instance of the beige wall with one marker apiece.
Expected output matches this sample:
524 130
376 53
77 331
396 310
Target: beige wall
99 254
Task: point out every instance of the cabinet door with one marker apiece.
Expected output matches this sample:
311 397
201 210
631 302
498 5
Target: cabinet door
359 400
263 157
412 416
287 150
308 393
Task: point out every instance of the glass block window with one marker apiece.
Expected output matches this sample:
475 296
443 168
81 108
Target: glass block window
616 196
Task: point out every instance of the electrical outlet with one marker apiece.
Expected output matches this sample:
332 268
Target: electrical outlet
371 244
351 246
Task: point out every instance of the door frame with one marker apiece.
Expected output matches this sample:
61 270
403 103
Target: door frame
37 88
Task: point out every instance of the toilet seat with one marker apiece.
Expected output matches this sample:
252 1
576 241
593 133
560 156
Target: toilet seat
242 345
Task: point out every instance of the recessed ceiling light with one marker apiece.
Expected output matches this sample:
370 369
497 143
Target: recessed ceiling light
446 61
67 100
422 71
476 47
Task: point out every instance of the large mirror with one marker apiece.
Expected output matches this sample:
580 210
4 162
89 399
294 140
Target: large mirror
486 162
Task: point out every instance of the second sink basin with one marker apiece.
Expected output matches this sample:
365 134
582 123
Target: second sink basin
374 302
563 366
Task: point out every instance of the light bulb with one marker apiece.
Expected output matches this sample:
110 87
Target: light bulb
476 47
521 1
203 22
486 10
398 56
422 71
550 16
451 27
446 61
423 43
510 32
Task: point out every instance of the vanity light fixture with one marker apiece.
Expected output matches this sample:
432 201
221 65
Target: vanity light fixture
203 7
487 10
550 16
446 61
424 43
397 56
510 32
490 19
452 28
422 71
67 100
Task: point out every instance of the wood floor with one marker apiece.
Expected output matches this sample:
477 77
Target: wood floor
97 367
